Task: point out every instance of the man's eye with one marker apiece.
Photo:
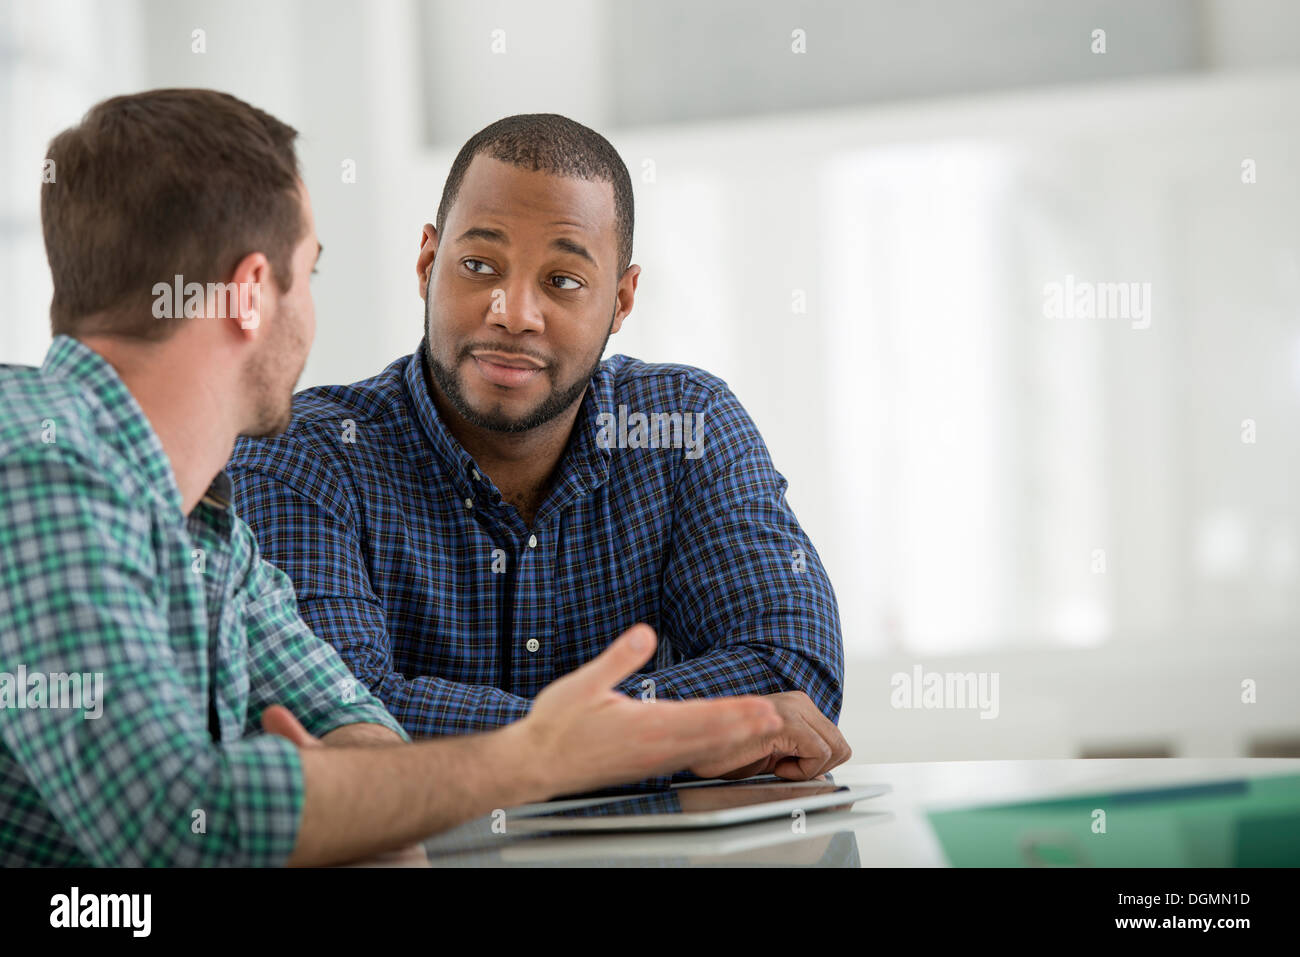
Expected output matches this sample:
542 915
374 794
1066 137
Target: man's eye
576 284
471 263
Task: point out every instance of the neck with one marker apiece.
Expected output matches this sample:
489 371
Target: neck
183 401
520 464
522 457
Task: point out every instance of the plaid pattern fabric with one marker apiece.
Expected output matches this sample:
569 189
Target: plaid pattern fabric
455 613
100 572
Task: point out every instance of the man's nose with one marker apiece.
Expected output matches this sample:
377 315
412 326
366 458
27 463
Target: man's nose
516 307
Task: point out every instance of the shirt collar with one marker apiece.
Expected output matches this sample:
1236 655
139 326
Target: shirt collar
121 422
584 465
218 501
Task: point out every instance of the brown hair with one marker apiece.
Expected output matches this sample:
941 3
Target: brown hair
160 183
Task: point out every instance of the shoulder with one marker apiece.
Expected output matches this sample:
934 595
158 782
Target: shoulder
330 409
49 427
371 399
42 411
686 386
668 388
315 452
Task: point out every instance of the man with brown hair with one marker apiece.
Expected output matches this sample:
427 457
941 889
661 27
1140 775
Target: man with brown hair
123 565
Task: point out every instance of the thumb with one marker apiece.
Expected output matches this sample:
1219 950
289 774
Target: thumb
628 652
277 719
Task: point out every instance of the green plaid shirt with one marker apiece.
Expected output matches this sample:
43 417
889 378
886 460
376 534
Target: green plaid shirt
103 577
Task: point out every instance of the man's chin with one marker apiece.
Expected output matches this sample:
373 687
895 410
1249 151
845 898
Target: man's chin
485 406
497 419
496 412
270 428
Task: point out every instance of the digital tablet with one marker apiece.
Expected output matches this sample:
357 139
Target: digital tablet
691 805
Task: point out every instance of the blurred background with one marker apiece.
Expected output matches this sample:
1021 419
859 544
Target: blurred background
858 215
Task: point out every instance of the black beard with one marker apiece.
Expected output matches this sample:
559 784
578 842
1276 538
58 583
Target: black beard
551 407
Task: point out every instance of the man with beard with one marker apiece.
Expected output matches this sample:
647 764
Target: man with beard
487 513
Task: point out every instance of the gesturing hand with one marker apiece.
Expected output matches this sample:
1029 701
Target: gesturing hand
586 735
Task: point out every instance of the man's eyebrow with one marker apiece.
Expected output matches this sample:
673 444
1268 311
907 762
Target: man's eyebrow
483 233
569 246
497 236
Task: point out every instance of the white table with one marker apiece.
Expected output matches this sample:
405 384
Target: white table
887 831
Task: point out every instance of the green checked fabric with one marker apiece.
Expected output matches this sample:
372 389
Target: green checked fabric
103 577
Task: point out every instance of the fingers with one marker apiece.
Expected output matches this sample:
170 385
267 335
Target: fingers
628 652
812 743
718 734
763 765
279 720
810 752
831 734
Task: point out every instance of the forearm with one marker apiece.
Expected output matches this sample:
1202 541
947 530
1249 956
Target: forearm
791 646
362 801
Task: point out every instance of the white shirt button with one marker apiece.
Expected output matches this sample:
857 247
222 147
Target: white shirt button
532 644
477 477
469 503
532 541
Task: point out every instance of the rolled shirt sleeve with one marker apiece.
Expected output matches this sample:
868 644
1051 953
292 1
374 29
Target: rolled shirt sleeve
288 664
310 536
746 600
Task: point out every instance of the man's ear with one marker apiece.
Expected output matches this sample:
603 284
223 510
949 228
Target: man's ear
424 262
626 294
245 306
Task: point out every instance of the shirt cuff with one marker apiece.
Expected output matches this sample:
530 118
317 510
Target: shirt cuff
363 712
265 775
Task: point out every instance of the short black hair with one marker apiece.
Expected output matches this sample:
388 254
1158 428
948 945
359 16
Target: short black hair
549 143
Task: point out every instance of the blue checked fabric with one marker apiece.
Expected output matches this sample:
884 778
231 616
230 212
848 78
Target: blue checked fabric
456 614
193 635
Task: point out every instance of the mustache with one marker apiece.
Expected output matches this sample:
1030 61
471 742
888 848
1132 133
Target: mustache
468 351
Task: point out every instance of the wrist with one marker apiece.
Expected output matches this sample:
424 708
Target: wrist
523 763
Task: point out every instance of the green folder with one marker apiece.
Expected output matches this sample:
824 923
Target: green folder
1253 822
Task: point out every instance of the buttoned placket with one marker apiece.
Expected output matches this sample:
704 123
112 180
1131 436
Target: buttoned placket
524 588
526 662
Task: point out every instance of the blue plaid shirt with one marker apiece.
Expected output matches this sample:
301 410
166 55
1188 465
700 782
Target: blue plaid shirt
455 613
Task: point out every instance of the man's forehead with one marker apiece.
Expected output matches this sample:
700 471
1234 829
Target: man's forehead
493 188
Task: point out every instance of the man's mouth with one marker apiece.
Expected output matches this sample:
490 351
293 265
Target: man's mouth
507 370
